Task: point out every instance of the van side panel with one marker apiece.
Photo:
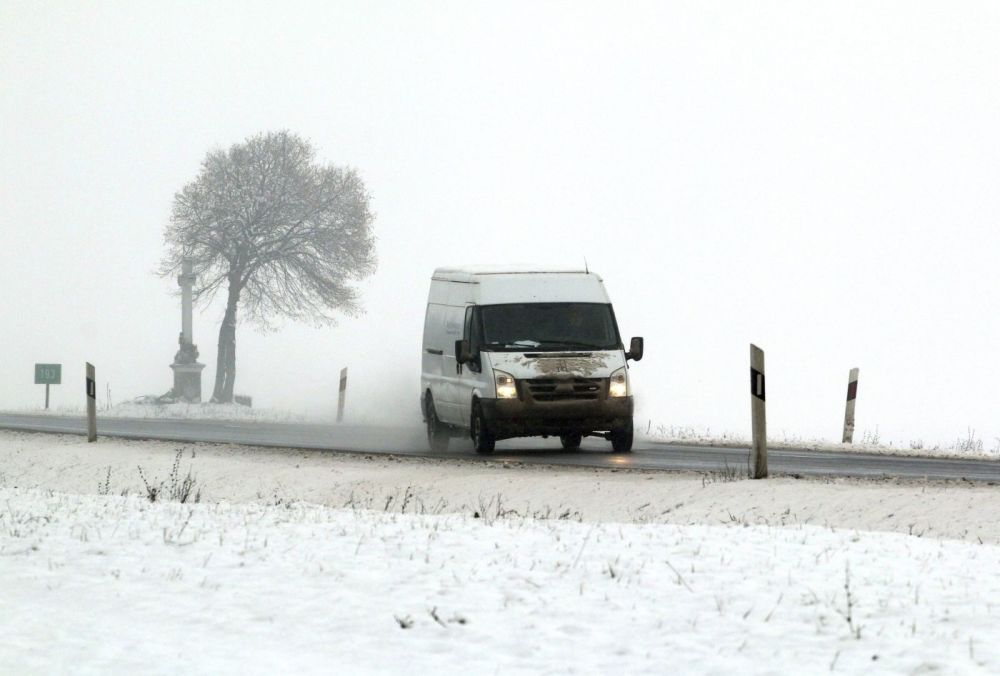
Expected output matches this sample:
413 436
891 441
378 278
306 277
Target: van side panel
433 353
439 292
443 325
453 322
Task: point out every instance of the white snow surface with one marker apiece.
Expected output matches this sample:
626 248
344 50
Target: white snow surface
119 585
968 446
202 411
413 566
179 411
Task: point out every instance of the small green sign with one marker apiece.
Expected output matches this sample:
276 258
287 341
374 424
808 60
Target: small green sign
48 374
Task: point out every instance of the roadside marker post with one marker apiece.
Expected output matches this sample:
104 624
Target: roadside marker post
91 404
342 395
758 452
852 395
48 374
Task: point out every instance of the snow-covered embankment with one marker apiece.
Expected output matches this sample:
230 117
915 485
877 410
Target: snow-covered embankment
426 568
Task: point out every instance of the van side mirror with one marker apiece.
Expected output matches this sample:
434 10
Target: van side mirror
463 352
635 349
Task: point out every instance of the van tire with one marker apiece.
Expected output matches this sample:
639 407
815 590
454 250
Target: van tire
482 439
571 441
437 433
621 438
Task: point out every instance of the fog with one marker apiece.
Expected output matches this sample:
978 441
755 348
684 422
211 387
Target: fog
820 179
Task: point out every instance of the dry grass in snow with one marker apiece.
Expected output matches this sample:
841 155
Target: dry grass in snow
112 584
233 473
412 566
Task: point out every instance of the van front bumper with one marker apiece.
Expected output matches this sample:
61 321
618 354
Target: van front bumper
507 418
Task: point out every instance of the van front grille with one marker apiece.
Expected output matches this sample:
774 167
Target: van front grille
564 389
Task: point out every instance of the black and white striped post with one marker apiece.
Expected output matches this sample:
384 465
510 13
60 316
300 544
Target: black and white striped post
758 452
852 395
91 404
343 394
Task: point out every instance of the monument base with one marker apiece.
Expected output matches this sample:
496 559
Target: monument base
187 382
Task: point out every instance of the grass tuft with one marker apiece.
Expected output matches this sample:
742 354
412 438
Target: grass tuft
174 488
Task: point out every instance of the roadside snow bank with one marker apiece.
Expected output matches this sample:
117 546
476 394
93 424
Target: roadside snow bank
202 411
112 584
178 410
970 447
67 463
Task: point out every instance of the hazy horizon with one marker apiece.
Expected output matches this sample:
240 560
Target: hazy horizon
819 179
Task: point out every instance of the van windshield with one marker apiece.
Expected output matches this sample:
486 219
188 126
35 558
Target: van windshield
549 327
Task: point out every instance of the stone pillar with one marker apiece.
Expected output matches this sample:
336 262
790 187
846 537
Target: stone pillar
187 370
186 282
187 382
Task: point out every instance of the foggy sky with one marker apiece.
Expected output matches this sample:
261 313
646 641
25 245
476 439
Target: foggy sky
820 179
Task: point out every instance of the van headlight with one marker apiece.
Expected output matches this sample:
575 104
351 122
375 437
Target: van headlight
505 385
619 384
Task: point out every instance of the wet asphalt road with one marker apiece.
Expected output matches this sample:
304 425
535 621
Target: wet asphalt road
595 453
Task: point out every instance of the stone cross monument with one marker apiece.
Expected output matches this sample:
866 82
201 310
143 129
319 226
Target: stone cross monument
187 370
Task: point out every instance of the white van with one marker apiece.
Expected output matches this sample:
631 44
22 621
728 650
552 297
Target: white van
522 352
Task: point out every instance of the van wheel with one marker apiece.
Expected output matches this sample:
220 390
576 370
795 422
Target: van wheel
571 441
482 438
621 438
437 433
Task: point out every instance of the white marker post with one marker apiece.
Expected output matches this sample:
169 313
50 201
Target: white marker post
91 404
758 453
852 395
343 394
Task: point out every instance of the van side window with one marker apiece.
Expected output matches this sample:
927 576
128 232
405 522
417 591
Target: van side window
474 334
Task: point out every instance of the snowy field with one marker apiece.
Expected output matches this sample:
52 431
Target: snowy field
112 584
320 562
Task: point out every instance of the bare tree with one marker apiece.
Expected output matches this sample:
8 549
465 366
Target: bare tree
284 235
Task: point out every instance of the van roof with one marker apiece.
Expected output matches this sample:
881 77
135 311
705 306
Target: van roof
464 272
495 285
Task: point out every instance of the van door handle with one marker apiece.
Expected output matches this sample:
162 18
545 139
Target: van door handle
433 351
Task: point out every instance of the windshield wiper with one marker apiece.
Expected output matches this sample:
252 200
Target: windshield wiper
531 344
506 344
571 344
576 343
